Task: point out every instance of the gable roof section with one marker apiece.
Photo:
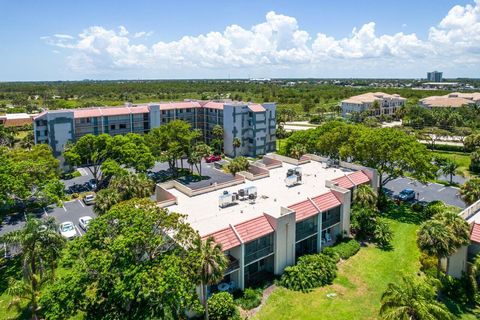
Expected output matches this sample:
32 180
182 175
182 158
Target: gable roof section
179 105
343 182
358 177
475 232
326 201
303 210
256 108
253 229
213 105
226 237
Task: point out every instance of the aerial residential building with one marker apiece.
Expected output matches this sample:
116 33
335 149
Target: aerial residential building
254 124
434 76
451 100
387 103
269 216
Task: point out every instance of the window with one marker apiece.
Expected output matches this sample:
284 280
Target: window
112 127
123 126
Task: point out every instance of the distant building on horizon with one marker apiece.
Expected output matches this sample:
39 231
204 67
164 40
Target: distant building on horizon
435 76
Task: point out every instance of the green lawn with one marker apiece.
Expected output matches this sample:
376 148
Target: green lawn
461 158
360 283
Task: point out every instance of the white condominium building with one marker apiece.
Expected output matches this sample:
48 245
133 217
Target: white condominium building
387 103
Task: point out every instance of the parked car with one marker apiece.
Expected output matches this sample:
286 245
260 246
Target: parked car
84 222
89 199
67 230
92 184
213 158
406 195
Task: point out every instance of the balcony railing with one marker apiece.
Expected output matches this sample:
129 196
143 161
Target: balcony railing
258 254
233 264
305 232
331 221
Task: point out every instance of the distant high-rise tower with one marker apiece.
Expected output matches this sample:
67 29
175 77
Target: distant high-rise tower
434 76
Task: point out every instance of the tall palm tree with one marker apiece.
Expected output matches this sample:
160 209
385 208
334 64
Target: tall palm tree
459 229
412 300
434 239
449 168
364 196
132 186
105 199
236 144
40 246
212 264
470 190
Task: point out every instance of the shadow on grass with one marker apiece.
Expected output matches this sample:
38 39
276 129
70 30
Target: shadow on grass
459 309
11 268
402 213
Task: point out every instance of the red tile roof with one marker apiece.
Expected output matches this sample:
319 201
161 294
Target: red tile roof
352 179
115 111
326 201
226 237
253 229
359 177
87 113
303 210
475 233
179 105
343 182
140 109
256 108
213 105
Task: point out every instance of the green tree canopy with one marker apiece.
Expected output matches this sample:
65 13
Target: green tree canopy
131 264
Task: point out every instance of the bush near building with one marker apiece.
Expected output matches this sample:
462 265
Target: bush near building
343 250
222 307
251 298
311 271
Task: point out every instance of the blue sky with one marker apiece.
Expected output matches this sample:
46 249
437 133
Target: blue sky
67 40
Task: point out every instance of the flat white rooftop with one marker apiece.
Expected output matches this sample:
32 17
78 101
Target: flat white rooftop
205 215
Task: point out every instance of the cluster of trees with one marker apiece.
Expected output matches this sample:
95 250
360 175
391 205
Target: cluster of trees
453 120
390 151
29 177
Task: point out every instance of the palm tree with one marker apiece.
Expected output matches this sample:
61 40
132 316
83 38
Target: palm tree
297 151
449 168
105 199
217 131
212 264
459 229
40 246
132 185
434 239
236 144
470 190
364 196
412 300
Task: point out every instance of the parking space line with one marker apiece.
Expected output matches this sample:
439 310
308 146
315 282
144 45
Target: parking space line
81 203
45 211
63 206
78 230
441 189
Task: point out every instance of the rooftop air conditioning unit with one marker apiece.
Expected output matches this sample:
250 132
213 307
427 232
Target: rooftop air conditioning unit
226 199
246 192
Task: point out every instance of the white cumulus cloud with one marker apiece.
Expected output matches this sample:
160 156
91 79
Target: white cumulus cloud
278 42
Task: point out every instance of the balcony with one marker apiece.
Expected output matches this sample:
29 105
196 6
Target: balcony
233 264
258 254
331 220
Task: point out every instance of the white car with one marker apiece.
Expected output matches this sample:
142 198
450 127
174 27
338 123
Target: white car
84 222
67 230
89 199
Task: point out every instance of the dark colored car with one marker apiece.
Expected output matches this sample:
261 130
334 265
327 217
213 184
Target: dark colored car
406 195
212 158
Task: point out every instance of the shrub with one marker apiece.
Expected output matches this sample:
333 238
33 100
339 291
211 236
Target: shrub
311 271
343 250
251 299
222 307
428 262
75 195
383 234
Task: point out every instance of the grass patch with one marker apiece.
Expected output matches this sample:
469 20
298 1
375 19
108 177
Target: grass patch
360 283
461 158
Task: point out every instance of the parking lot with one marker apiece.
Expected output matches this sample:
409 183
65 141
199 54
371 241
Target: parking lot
70 211
427 192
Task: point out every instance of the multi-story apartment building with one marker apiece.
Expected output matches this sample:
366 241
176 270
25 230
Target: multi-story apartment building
253 124
451 100
387 103
435 76
266 218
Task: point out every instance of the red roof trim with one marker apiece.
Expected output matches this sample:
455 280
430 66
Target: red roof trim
475 232
326 201
226 237
303 210
253 229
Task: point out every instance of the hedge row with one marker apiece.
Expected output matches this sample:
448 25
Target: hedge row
311 271
343 250
447 147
